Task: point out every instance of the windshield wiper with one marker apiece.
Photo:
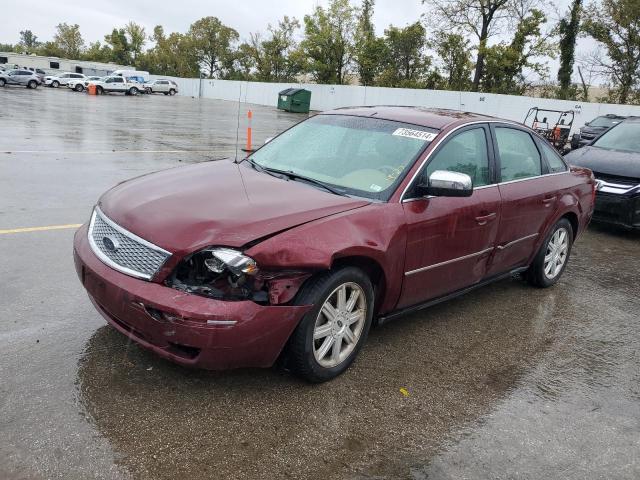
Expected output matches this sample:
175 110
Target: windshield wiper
260 168
296 176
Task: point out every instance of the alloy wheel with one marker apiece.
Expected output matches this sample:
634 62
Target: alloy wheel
556 254
339 324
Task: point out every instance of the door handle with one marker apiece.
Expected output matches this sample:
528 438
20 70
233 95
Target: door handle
484 219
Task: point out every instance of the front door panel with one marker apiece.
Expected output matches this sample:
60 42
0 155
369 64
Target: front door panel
449 241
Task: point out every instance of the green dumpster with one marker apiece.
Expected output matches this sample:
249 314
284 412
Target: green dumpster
295 100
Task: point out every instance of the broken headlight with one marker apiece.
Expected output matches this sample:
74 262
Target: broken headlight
220 273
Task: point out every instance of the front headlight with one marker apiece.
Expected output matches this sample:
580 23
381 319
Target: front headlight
233 260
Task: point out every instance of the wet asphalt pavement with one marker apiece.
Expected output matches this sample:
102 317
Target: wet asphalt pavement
506 382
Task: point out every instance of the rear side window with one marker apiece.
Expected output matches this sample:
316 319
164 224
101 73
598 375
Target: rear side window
554 161
464 153
519 157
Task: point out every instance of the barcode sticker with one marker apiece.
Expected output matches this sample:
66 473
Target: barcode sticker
417 134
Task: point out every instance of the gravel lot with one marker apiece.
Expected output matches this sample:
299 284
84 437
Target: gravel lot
506 382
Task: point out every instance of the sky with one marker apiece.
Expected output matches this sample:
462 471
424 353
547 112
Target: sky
98 17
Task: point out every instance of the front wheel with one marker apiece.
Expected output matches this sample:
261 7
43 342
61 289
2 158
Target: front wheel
78 88
3 82
55 84
32 84
330 335
133 91
172 92
552 258
99 90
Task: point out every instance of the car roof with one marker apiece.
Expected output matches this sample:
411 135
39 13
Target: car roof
437 118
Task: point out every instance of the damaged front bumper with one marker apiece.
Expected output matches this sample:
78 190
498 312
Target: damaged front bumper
187 329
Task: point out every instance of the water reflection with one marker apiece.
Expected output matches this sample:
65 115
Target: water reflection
455 360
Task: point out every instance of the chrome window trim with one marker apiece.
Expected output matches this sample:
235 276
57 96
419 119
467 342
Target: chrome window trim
426 159
447 262
106 260
518 240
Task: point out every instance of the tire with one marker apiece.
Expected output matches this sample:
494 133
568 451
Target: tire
32 84
166 93
133 91
55 84
99 90
3 82
78 87
550 262
172 92
316 358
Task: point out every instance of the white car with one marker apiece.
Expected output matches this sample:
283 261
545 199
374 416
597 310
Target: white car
78 84
115 84
63 79
168 87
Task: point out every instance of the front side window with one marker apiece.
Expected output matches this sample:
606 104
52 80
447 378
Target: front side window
624 137
363 156
556 164
519 157
464 153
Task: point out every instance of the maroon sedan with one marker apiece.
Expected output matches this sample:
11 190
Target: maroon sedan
351 217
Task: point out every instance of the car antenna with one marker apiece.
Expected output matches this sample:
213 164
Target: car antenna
238 121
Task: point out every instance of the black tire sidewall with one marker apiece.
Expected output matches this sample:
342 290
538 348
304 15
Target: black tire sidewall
316 292
536 274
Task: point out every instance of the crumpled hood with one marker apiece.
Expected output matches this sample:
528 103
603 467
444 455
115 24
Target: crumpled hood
215 203
607 162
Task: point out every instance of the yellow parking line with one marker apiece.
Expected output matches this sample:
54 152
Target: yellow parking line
40 229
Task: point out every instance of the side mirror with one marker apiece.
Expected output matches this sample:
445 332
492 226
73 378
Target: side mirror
443 183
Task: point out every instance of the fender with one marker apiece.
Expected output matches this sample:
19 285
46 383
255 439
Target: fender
375 232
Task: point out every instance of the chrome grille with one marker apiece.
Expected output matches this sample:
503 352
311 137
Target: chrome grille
122 250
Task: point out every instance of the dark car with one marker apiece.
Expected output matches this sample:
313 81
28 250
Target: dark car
350 217
615 160
592 129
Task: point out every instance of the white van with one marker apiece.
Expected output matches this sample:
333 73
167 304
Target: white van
136 74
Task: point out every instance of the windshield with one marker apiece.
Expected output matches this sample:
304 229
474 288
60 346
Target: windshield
604 122
624 137
363 156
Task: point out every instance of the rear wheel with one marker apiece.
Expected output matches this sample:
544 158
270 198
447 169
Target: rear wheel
3 82
133 91
55 84
78 87
332 333
32 84
553 256
99 90
172 92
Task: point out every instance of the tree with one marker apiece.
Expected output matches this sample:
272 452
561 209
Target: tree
118 46
213 45
28 40
369 49
275 59
328 42
455 57
568 28
68 40
474 17
172 55
506 63
616 26
97 52
406 63
136 37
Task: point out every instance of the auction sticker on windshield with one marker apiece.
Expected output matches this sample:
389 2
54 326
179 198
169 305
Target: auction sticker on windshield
419 134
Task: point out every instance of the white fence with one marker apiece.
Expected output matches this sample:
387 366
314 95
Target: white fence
326 97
